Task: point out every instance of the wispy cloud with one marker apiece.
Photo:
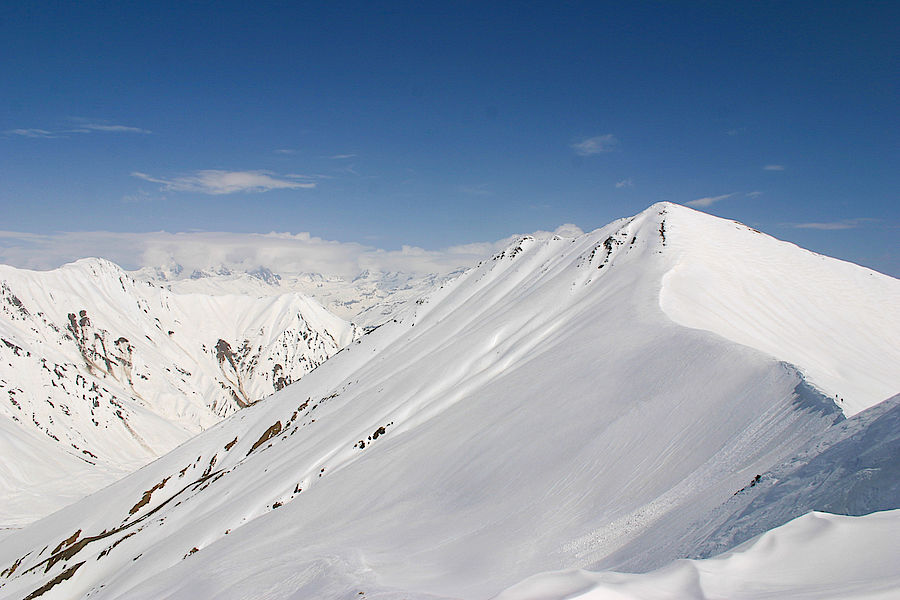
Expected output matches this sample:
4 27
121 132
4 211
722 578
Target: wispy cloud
138 197
478 189
341 156
80 128
773 168
708 200
595 145
835 225
284 151
625 183
112 128
348 169
754 194
217 182
305 176
31 133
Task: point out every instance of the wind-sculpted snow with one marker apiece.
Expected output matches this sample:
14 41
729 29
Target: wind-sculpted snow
821 556
852 469
113 373
804 308
540 412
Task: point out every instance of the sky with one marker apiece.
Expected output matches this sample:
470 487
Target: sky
422 127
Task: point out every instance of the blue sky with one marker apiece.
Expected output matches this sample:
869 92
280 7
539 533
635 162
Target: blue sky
439 124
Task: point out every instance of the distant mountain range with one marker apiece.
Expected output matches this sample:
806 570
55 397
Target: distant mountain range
366 299
665 387
100 373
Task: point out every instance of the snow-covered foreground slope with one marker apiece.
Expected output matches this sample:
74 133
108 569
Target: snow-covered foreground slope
541 412
99 374
819 555
852 469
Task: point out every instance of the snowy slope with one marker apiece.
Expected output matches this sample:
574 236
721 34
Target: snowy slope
109 373
804 308
822 556
852 469
540 412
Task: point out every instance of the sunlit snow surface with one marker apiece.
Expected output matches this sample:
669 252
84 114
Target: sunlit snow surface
541 412
819 555
802 307
100 374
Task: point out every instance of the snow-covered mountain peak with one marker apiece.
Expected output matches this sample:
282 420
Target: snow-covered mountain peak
265 274
514 248
94 265
367 298
94 269
808 309
730 279
541 411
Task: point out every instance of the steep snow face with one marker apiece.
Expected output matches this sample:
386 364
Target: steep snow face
819 555
113 373
852 469
821 314
540 412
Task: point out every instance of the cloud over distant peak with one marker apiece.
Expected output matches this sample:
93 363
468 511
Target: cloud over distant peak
217 182
708 200
595 145
567 230
283 253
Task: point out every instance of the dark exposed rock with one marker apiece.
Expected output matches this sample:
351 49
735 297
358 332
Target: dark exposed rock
269 433
53 582
146 498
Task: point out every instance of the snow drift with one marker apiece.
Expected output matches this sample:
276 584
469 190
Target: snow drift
822 556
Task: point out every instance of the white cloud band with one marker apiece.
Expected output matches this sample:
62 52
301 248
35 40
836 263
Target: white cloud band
283 253
708 200
217 182
595 145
